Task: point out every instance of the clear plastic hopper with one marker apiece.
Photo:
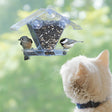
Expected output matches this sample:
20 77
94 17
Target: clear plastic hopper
46 27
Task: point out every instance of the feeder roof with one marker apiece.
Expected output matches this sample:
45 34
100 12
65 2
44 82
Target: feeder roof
45 14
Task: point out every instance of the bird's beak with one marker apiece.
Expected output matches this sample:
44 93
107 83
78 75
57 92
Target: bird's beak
19 39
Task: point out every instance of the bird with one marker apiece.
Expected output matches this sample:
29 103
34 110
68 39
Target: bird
68 43
26 43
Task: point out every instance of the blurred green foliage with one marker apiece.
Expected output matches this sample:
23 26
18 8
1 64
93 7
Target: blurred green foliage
35 85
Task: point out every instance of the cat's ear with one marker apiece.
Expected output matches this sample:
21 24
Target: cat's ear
81 69
103 58
80 76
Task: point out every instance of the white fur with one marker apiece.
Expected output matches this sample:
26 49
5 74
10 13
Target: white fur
88 79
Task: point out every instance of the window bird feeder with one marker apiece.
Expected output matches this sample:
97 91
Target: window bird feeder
46 27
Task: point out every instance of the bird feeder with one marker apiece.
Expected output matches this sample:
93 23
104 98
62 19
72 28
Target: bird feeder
46 27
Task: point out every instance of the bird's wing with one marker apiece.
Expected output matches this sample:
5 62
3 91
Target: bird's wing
31 40
71 41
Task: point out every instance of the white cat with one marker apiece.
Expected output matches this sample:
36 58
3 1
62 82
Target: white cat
87 82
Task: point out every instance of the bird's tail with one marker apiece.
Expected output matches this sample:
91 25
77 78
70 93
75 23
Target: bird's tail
79 41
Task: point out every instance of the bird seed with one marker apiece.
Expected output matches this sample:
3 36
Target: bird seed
49 34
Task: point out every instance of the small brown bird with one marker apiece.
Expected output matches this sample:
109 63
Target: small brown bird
26 43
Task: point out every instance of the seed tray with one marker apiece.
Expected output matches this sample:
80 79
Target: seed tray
36 52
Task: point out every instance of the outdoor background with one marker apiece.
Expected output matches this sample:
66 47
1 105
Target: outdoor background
35 85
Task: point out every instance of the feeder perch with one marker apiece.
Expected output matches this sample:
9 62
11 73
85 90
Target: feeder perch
46 27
